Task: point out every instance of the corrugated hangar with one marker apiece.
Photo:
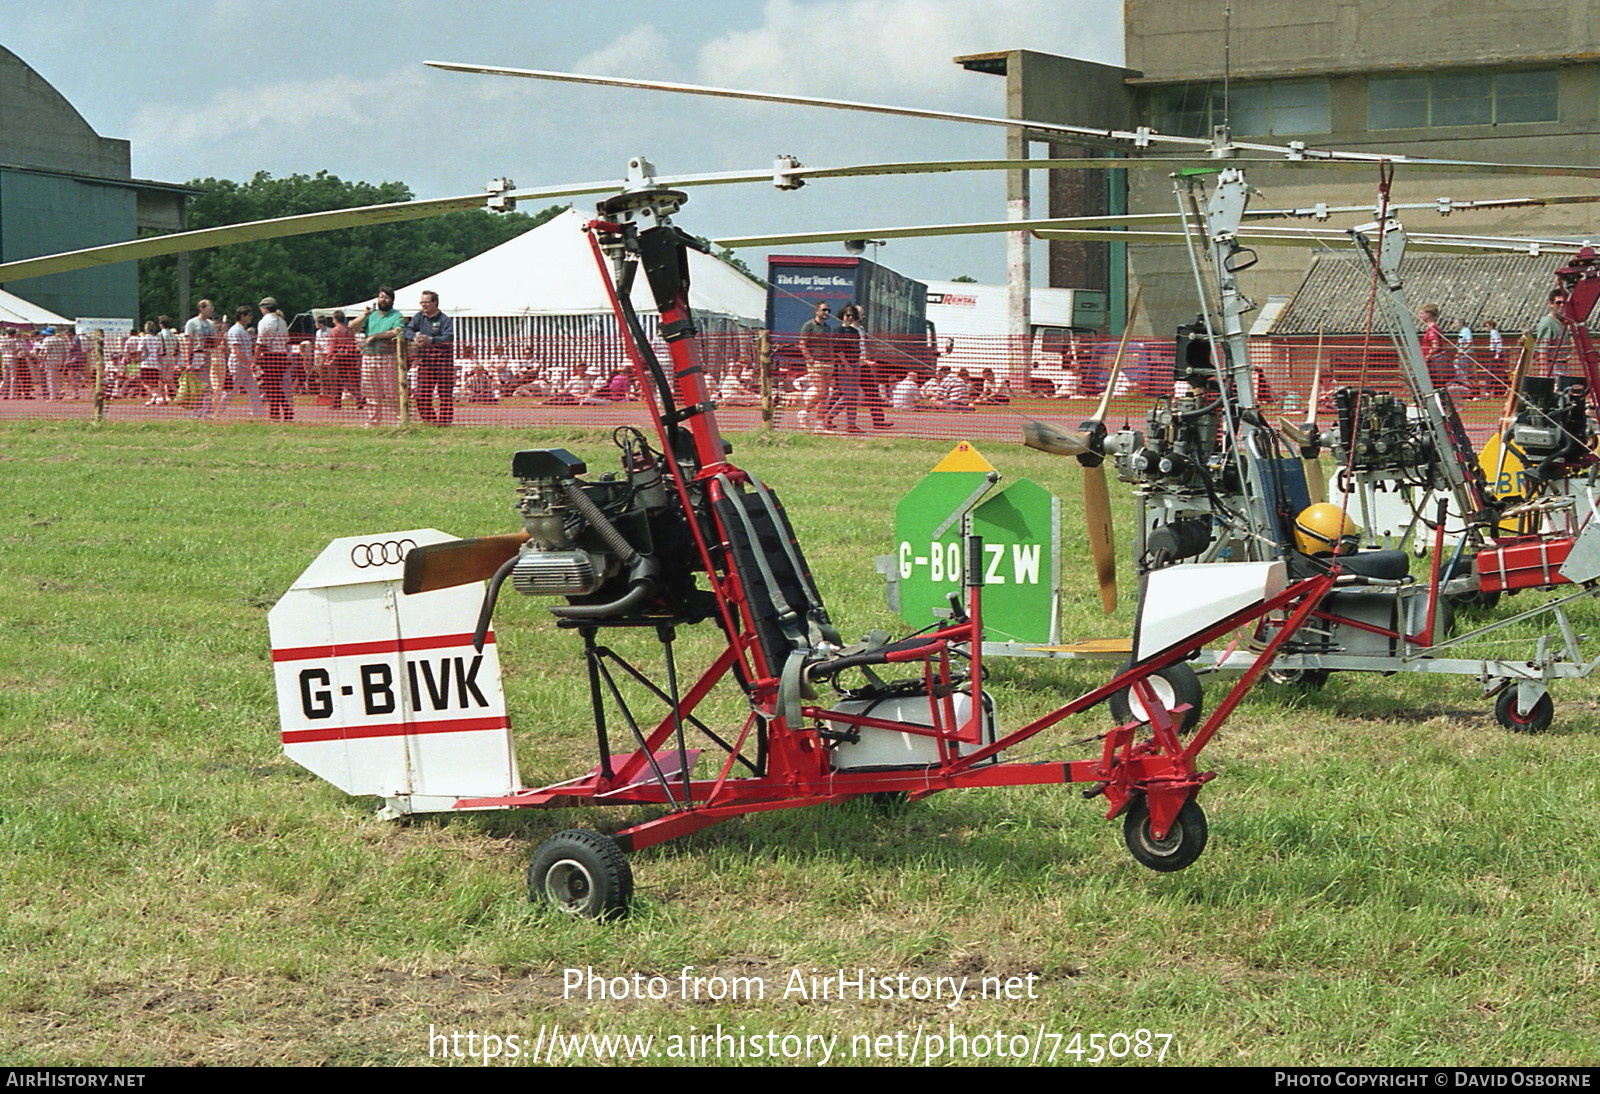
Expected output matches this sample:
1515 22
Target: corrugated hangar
63 187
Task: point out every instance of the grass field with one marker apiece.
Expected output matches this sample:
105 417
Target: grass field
1392 879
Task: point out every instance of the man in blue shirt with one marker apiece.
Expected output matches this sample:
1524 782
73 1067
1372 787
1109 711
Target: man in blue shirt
432 335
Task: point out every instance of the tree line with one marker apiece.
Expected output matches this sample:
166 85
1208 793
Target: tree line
321 270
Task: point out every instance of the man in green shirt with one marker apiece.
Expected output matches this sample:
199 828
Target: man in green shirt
1550 333
379 331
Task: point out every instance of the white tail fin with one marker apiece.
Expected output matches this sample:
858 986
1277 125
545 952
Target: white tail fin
382 693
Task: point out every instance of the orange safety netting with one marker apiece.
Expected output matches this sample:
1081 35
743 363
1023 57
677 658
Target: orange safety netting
967 387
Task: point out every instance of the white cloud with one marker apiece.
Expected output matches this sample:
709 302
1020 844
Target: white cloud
900 49
641 52
241 114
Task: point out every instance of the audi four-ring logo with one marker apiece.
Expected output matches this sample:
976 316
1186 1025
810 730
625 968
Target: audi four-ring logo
383 553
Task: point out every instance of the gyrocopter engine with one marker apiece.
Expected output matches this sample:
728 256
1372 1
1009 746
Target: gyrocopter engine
1180 447
1552 426
600 543
1376 434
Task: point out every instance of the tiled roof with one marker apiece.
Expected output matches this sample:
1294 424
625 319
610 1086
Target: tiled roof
1336 293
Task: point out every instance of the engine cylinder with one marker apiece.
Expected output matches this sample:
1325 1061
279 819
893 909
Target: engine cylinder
557 573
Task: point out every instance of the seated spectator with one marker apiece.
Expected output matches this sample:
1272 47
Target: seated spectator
904 394
620 387
582 390
992 392
958 391
738 388
479 385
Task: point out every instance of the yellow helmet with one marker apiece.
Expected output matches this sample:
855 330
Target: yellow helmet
1319 529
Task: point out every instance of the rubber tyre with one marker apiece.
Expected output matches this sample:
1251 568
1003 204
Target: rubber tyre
1537 720
1185 840
1175 684
582 873
1301 679
1479 601
1444 623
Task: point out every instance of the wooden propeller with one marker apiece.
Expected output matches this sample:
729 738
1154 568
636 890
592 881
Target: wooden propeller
1087 443
459 562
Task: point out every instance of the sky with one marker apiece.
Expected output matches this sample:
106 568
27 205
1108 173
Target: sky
227 88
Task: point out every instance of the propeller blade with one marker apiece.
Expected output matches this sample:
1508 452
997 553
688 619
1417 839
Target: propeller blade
1316 382
1059 442
460 562
1518 371
1116 363
1296 432
1316 490
1097 522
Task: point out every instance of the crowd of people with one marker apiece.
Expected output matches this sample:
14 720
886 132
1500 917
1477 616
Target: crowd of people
1457 363
48 364
213 362
844 376
249 360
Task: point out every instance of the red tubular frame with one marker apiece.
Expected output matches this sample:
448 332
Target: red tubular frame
1159 766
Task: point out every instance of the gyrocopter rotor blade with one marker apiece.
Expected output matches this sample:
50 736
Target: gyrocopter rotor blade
206 238
1087 443
786 173
458 562
1057 227
1333 237
1089 137
1114 139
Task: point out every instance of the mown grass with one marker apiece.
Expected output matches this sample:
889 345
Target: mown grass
1392 879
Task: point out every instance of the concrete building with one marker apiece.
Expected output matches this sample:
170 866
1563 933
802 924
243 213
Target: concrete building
63 187
1474 80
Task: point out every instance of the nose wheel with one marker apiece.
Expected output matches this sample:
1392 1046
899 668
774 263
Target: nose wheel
1536 719
1181 845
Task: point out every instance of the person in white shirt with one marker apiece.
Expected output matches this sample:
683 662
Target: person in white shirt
52 357
167 357
198 335
904 395
241 360
272 354
149 374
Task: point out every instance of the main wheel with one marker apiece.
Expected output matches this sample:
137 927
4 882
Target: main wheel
887 801
1536 720
582 873
1303 679
1174 685
1479 600
1183 843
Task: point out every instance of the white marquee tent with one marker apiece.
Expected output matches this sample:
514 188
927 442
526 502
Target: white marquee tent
17 312
545 283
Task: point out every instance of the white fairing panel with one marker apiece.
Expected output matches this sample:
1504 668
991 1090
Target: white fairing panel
382 693
1583 562
886 749
1181 601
